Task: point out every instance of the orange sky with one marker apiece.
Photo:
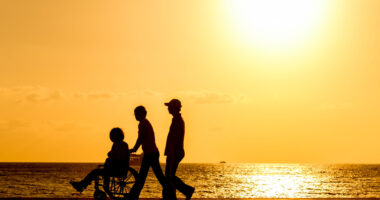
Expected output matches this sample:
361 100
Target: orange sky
285 83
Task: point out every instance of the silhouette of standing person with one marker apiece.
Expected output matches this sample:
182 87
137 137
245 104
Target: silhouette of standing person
151 154
174 151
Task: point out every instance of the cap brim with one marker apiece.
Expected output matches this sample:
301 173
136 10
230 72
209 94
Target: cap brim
167 104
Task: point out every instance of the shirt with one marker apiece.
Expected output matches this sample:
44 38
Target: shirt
146 137
119 151
118 159
174 142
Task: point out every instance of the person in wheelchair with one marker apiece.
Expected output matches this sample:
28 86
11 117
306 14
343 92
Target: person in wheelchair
116 164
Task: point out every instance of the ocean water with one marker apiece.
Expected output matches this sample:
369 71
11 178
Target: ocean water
210 180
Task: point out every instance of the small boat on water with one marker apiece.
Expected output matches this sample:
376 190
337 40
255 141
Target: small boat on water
223 162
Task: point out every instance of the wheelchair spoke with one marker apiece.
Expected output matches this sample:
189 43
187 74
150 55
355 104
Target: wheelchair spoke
119 187
130 182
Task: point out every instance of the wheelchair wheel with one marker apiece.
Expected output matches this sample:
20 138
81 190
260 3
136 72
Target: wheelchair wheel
119 187
100 195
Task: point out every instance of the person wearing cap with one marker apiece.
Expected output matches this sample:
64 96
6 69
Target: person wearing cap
174 151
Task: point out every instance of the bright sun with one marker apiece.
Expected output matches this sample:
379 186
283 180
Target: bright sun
276 24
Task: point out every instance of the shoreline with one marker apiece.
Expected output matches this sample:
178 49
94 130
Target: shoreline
26 198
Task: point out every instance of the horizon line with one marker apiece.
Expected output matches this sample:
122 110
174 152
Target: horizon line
73 162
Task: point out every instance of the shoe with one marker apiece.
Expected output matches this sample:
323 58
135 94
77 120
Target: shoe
77 185
190 194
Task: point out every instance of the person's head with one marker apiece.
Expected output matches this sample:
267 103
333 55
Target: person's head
174 106
140 113
116 135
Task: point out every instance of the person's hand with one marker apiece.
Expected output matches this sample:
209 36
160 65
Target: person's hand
132 151
180 154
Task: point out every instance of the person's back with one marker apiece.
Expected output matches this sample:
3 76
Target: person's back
174 142
148 142
118 159
119 151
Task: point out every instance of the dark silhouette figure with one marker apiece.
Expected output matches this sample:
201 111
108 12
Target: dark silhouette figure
151 154
116 164
175 152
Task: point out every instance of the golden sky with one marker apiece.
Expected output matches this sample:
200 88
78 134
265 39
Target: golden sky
260 81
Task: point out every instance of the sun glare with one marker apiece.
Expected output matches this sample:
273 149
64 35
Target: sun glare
276 24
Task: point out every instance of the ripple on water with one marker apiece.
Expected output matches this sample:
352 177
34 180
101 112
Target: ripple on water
210 180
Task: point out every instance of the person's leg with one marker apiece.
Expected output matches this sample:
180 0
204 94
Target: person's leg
138 186
185 189
160 175
170 174
178 183
91 176
81 185
157 169
106 178
106 182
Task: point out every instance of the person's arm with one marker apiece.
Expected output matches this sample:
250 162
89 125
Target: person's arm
178 130
181 135
111 154
138 142
128 153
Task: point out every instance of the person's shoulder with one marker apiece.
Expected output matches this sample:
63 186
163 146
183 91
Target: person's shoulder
145 124
124 145
178 118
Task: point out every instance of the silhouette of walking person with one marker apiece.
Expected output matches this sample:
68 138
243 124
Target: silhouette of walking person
174 151
151 154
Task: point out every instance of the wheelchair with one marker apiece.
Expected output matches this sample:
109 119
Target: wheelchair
118 187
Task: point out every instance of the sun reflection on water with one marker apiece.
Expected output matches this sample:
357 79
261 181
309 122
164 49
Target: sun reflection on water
210 180
269 181
278 185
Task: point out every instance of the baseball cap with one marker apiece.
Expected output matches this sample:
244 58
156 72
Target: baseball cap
174 102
